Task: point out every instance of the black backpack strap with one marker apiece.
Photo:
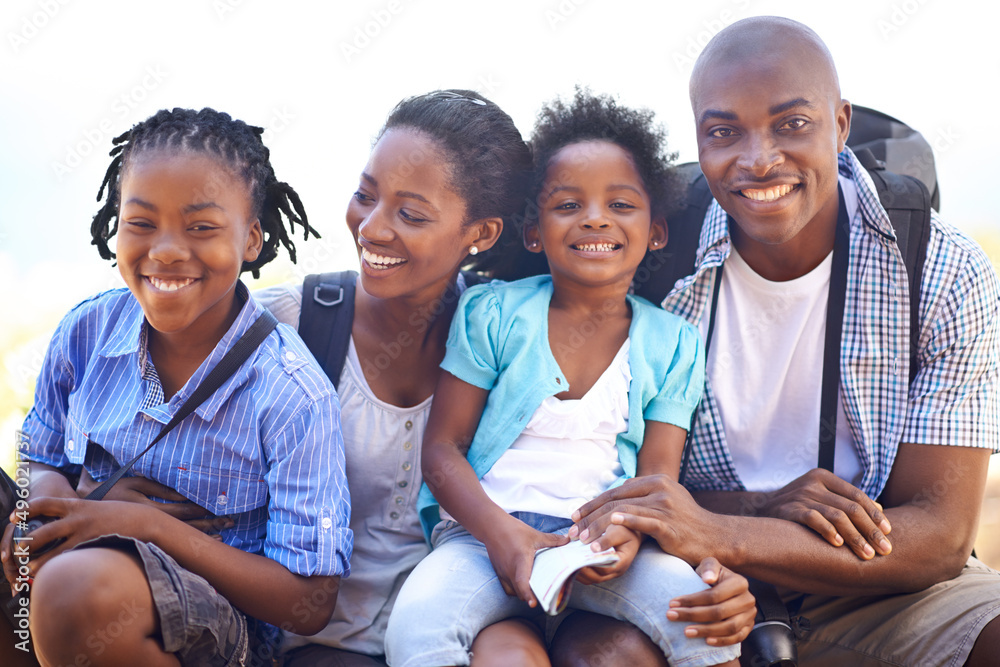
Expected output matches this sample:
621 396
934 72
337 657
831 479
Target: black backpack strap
908 204
662 268
222 371
326 318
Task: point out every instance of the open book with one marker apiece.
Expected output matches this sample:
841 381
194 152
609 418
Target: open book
554 569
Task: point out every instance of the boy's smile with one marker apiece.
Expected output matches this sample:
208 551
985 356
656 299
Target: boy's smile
185 231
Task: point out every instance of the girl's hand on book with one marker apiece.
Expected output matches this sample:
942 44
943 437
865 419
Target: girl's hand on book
626 543
724 613
512 554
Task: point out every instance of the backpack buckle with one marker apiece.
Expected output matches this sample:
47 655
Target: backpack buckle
321 291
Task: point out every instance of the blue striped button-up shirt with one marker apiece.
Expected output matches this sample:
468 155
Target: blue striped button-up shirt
265 449
953 399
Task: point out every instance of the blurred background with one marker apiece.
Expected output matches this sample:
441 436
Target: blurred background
321 77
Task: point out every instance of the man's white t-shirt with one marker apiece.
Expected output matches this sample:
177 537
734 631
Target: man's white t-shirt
765 367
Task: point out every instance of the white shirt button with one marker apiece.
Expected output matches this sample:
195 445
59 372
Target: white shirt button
290 356
70 445
222 500
327 523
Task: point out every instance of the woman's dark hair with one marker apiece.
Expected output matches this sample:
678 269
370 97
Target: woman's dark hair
490 164
599 117
235 144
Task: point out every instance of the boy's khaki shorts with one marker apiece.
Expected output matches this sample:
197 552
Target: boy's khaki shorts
197 624
937 626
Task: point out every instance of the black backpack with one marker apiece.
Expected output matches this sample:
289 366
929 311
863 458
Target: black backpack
900 162
328 314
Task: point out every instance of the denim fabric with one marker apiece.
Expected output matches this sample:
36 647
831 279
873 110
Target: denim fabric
454 593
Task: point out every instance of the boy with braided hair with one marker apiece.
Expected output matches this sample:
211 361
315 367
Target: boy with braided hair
193 201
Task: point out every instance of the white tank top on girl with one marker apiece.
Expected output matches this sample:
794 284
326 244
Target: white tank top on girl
566 454
765 364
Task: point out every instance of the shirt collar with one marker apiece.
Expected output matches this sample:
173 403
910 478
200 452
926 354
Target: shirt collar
126 337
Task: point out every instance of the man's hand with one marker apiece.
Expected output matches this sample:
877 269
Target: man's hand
653 505
723 614
840 512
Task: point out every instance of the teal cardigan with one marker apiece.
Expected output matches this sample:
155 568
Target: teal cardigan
499 341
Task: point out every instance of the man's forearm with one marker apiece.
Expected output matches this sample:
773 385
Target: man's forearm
791 555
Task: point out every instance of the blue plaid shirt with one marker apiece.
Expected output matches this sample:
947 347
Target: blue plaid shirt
953 399
265 449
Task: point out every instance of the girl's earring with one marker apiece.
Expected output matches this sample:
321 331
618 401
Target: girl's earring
473 250
534 244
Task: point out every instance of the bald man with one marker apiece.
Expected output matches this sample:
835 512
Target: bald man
886 582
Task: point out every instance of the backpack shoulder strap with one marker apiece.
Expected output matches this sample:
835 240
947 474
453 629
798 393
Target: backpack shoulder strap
662 268
908 204
326 318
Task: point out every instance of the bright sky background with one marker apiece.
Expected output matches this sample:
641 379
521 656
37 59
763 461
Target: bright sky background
322 77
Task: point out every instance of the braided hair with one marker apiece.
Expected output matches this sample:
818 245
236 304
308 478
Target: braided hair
234 143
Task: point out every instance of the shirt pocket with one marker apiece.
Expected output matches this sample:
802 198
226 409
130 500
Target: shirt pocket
224 491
